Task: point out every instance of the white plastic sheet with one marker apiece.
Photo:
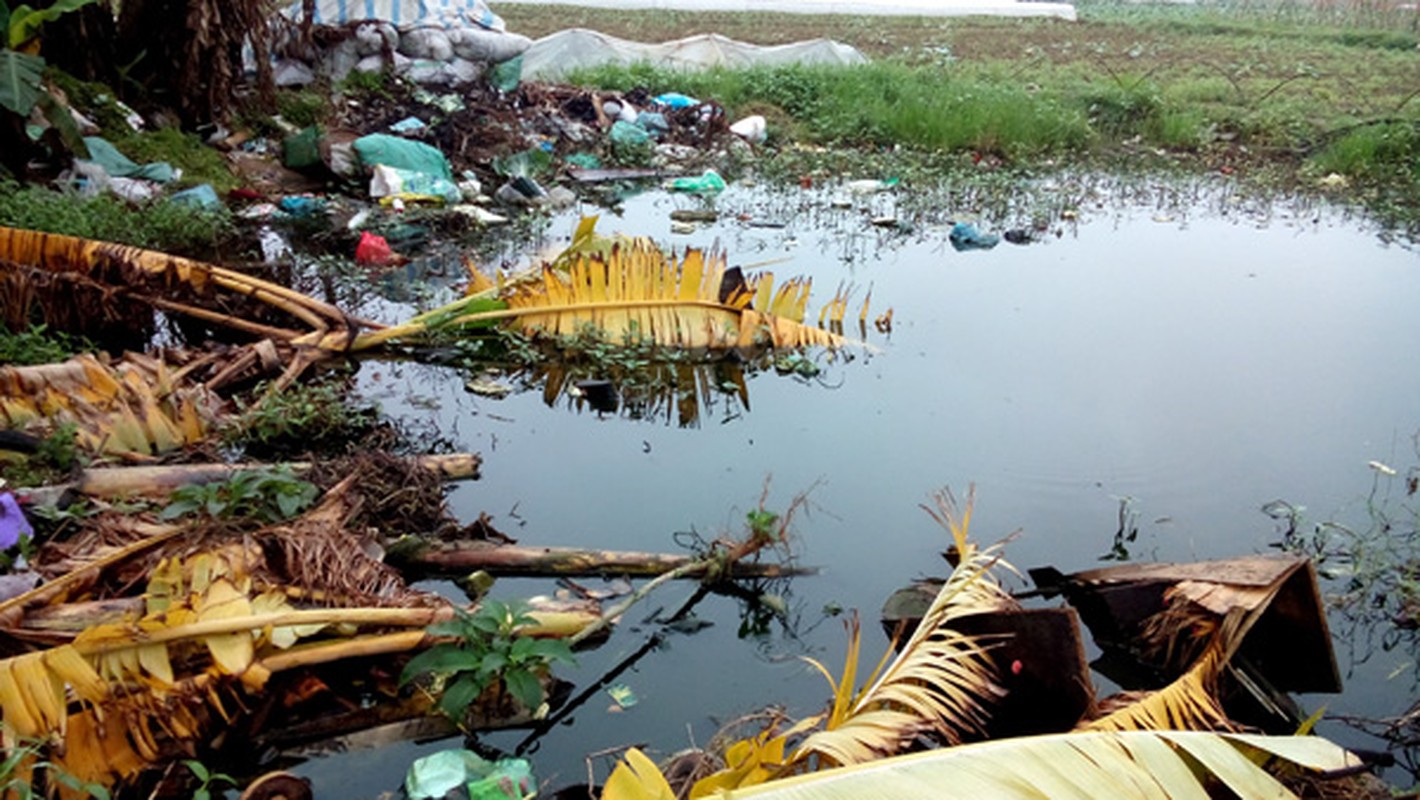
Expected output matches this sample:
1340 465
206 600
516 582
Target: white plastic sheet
557 53
403 14
916 8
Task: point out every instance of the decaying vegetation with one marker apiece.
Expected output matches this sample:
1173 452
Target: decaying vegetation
942 687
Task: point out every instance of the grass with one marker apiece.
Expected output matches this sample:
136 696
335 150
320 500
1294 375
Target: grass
1295 88
38 346
159 225
198 162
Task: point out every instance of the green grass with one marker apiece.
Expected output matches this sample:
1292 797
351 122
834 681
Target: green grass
198 162
158 225
881 104
38 345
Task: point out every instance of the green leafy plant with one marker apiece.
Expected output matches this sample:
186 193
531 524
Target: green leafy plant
39 345
53 459
22 73
308 414
22 763
208 780
487 652
268 496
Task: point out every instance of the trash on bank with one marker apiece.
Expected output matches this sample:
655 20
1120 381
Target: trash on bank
14 527
753 129
380 149
117 165
409 185
374 250
870 185
203 196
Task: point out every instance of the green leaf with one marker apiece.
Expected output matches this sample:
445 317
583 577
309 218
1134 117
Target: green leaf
198 769
20 85
25 22
289 504
178 508
62 120
492 663
524 686
441 659
460 695
550 650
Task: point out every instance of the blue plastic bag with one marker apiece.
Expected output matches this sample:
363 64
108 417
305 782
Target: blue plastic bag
965 236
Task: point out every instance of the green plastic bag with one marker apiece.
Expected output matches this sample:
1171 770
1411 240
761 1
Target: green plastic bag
505 75
406 154
435 775
116 164
708 183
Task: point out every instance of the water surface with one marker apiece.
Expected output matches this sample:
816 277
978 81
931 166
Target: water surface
1193 361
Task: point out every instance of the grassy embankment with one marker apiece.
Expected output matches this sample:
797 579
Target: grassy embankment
1288 93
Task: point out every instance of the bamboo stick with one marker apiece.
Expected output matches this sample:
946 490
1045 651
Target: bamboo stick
161 480
460 558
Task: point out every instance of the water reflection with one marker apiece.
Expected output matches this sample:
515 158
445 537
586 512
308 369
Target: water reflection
1194 348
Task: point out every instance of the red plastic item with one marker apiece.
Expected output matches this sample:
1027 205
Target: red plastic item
374 250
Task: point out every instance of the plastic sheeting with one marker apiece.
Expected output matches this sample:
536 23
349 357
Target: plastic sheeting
917 8
403 14
557 53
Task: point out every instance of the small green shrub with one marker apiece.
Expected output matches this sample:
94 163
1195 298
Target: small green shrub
1374 152
301 417
487 652
53 460
38 345
302 108
160 225
267 496
198 162
17 780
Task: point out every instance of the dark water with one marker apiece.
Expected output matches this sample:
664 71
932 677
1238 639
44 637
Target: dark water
1192 357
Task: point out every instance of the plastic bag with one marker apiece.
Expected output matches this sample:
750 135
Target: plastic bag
404 154
394 182
375 251
435 775
624 133
965 236
708 183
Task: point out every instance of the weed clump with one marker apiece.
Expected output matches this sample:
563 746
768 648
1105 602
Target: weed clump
160 225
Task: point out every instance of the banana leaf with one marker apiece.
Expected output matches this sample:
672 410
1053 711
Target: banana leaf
1148 765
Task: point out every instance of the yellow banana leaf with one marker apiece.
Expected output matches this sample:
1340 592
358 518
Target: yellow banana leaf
128 407
636 778
1191 702
634 291
941 680
1141 765
148 276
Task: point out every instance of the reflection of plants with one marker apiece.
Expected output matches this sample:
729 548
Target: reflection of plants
1374 566
268 496
1127 532
488 652
1371 564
